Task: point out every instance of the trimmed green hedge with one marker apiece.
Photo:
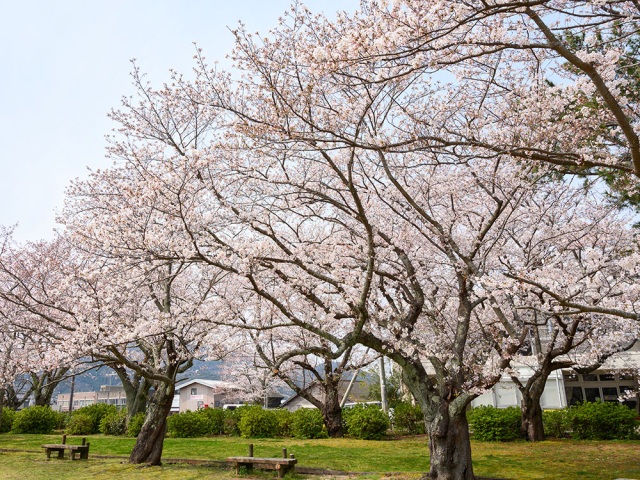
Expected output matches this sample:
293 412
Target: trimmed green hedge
602 421
135 424
96 413
408 418
585 421
490 424
367 422
285 421
257 422
188 424
555 423
35 419
114 423
6 419
307 423
80 424
215 420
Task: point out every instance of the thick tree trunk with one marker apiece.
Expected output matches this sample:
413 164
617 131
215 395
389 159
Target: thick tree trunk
148 447
449 444
332 413
12 400
532 427
137 392
445 420
137 400
45 383
43 396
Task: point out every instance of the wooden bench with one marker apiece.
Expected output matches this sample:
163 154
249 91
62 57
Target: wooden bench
81 450
281 465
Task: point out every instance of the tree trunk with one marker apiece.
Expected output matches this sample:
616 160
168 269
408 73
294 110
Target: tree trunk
137 399
331 409
136 390
45 383
12 400
148 447
42 396
332 413
449 444
445 420
532 427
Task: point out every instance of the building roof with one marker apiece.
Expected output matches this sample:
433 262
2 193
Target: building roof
359 391
217 384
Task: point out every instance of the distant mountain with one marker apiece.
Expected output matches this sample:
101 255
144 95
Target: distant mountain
92 380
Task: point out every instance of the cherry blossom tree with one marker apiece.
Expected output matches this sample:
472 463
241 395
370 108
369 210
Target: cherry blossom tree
332 209
150 319
548 81
285 354
340 133
558 337
371 180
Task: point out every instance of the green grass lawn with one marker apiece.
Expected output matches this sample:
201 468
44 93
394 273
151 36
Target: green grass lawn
561 459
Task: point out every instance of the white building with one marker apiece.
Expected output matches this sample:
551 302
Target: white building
359 393
198 393
109 394
609 383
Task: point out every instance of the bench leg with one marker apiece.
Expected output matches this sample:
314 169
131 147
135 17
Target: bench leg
61 453
248 466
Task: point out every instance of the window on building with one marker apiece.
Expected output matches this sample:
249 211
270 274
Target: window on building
590 377
574 395
200 405
607 377
592 394
610 394
194 391
630 402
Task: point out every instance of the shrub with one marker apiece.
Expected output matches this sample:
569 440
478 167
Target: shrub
61 420
6 420
188 424
258 423
307 423
408 418
602 421
35 419
231 425
492 424
555 423
215 420
80 424
135 424
367 422
96 412
284 419
114 423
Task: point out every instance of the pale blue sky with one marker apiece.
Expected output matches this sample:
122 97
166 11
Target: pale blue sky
65 63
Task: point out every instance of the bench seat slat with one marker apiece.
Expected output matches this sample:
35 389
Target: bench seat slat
273 460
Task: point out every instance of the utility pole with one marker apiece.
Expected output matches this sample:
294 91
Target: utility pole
383 386
73 386
348 390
